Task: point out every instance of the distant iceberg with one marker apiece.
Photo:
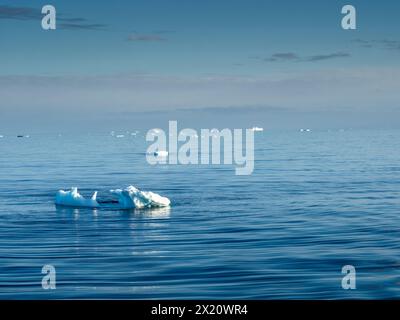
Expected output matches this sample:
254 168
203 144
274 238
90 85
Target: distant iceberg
129 198
257 129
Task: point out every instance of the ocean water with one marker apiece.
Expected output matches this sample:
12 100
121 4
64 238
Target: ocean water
316 201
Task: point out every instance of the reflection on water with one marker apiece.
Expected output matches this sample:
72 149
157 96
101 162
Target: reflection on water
160 212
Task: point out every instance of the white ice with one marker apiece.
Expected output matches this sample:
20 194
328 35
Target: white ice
74 199
129 198
132 197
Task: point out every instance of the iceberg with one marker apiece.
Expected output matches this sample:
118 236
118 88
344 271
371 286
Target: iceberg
74 199
132 197
128 198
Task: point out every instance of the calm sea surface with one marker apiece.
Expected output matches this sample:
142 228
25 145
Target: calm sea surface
316 201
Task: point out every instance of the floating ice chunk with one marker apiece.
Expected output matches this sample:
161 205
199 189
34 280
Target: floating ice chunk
257 129
129 198
74 199
120 136
1 136
132 197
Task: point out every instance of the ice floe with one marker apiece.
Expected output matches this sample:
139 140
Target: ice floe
132 197
129 198
74 199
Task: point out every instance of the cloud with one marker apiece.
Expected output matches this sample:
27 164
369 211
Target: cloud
82 26
320 57
293 57
64 22
18 13
285 56
380 44
363 43
145 37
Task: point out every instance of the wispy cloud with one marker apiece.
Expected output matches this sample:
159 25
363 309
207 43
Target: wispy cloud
18 13
80 26
284 56
65 22
145 37
294 57
380 44
320 57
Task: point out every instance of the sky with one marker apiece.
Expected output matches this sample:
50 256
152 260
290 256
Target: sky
114 65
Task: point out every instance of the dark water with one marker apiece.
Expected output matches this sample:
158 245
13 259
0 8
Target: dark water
316 201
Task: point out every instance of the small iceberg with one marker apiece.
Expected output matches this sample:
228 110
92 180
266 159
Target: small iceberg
74 199
129 198
257 129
